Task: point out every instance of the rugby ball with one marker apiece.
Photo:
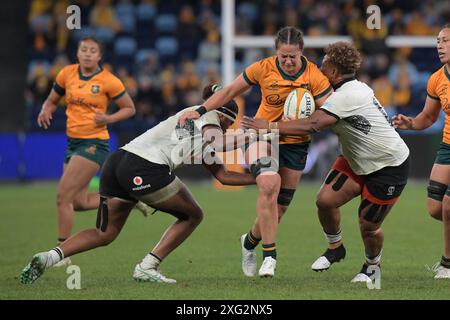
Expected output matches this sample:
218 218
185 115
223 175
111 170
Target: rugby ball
299 104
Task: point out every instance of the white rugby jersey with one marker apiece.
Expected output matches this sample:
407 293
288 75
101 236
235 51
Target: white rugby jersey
164 144
368 140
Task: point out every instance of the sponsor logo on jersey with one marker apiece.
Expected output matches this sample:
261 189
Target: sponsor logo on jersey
273 86
95 89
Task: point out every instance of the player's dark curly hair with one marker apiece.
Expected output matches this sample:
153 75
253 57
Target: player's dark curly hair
344 56
209 90
446 26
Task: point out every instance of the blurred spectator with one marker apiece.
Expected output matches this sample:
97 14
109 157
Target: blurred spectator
163 85
105 20
188 79
209 49
128 81
402 65
416 25
402 92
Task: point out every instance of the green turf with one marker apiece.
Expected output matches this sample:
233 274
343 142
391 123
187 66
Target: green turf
207 265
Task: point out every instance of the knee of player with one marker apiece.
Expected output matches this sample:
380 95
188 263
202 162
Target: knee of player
107 237
269 185
369 228
195 216
322 203
446 207
435 213
62 198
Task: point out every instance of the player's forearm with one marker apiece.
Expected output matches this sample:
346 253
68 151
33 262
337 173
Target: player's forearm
298 127
236 179
218 99
422 121
231 141
122 114
49 106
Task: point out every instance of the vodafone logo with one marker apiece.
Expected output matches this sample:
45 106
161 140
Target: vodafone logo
137 180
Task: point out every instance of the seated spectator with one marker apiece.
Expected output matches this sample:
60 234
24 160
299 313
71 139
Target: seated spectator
402 92
402 64
209 49
188 78
417 26
103 15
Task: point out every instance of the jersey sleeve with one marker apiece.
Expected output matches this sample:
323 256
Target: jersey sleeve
115 89
210 118
60 82
336 106
431 87
252 73
320 86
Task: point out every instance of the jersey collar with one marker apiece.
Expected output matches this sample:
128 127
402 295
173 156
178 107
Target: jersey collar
85 78
298 74
339 84
446 73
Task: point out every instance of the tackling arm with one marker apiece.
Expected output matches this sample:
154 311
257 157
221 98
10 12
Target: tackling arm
319 120
226 177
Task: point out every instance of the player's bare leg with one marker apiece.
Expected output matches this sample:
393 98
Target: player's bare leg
76 177
371 216
438 208
439 181
264 167
112 215
289 182
86 200
337 190
443 271
189 215
79 171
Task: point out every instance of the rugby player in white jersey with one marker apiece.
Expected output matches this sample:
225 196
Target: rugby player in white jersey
374 163
142 170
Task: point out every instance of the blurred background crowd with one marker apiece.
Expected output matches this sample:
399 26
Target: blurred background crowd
165 51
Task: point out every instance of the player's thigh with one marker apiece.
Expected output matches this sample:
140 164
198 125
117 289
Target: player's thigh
371 215
175 199
290 179
77 175
381 191
112 214
337 189
258 150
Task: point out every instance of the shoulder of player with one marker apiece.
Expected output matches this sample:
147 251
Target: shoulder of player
71 68
267 62
108 74
438 74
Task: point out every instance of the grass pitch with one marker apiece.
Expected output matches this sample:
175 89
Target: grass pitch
207 265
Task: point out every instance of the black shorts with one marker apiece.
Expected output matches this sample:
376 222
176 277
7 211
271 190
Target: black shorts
128 176
381 187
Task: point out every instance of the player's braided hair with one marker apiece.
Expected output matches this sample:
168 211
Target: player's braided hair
344 57
289 35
